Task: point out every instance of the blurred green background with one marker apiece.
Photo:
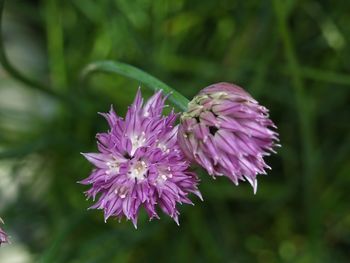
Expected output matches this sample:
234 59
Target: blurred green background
293 56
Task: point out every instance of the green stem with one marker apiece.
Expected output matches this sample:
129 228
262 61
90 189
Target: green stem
55 47
139 75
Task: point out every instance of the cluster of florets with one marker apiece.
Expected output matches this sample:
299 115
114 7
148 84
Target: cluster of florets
140 164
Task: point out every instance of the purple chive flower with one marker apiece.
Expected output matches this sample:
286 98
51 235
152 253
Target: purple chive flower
228 133
140 164
3 235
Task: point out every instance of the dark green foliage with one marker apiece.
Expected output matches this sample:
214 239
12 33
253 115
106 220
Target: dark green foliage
292 56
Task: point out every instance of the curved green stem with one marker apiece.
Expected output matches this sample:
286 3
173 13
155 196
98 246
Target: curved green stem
139 75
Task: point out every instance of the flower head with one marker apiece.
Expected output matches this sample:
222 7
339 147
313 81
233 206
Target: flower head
140 164
3 235
227 132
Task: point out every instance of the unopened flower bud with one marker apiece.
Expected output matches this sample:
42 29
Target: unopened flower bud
228 133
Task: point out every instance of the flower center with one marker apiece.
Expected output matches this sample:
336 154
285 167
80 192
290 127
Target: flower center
138 170
113 167
163 147
122 191
137 141
164 175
